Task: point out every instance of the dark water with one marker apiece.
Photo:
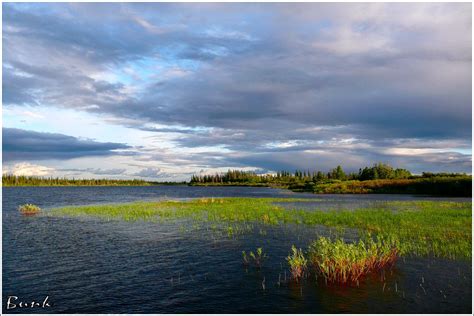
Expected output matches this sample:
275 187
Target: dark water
87 265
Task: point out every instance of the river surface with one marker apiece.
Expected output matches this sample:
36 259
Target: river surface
87 265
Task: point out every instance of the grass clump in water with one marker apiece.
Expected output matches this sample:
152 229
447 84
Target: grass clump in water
29 209
297 262
341 262
256 258
245 259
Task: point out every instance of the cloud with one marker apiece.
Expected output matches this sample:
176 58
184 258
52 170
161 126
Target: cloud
28 169
158 174
325 159
116 171
21 144
148 173
264 85
97 171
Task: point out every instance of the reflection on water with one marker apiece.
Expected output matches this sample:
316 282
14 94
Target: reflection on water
87 265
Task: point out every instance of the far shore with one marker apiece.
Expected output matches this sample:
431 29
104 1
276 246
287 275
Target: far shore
438 186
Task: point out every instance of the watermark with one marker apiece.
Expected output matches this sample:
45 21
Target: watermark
13 302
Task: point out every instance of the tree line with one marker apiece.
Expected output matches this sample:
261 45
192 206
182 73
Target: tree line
281 178
377 171
13 180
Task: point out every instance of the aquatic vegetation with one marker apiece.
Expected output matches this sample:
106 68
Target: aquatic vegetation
341 262
422 228
297 262
258 257
245 259
230 231
29 209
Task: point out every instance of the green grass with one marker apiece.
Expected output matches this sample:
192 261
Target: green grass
341 262
420 227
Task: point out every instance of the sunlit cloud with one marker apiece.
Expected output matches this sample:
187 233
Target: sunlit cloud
28 169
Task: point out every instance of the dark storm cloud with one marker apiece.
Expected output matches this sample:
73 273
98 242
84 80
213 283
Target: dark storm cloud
269 82
21 144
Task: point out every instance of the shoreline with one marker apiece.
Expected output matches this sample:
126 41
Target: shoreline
357 193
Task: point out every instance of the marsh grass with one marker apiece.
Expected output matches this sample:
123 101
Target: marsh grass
258 257
297 262
423 228
341 262
245 259
29 209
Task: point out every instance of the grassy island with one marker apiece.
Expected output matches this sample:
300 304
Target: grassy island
422 228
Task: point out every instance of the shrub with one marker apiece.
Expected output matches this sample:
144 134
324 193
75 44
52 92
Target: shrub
444 186
29 209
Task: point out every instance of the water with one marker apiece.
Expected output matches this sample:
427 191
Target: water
87 265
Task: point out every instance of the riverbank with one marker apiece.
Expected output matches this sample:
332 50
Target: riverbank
435 186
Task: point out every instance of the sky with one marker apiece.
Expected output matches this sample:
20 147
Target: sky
161 91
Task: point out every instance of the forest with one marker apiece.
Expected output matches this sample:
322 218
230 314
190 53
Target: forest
377 171
12 180
379 178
